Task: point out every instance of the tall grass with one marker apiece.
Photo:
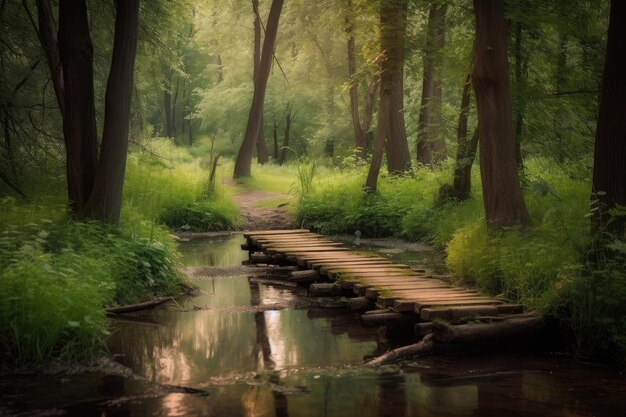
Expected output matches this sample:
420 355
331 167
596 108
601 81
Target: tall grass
57 275
175 191
543 267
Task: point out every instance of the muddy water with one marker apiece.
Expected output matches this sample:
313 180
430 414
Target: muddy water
242 343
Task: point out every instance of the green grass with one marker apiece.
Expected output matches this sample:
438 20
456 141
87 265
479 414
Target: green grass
271 178
57 276
542 267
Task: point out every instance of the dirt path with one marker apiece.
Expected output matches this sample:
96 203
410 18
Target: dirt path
262 210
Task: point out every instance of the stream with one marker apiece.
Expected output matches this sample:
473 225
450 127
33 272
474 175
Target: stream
251 349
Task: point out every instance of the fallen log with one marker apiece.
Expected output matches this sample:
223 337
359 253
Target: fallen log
326 290
137 307
466 337
388 318
304 275
256 258
360 304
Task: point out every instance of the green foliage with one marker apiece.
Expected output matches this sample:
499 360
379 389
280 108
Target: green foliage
205 216
56 278
174 191
540 267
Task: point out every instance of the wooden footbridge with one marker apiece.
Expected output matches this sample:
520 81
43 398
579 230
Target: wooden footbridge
393 291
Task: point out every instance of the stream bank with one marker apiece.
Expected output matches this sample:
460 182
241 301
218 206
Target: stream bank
256 349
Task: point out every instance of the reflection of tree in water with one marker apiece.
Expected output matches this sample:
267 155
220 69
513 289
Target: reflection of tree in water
187 346
264 348
392 395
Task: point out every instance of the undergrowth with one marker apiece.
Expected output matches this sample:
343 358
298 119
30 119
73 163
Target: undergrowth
543 267
57 276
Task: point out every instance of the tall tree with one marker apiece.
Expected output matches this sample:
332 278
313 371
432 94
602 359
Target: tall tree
105 201
393 20
261 147
431 146
502 194
390 132
361 129
244 156
50 45
465 153
79 117
609 172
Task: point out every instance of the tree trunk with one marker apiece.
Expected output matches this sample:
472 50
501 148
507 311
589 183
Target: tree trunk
105 202
609 172
360 129
244 156
167 100
502 194
431 146
275 141
520 64
283 151
393 18
261 148
466 150
50 45
220 69
174 101
79 117
382 132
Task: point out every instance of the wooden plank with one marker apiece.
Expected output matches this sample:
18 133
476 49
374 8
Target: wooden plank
332 266
274 232
457 313
293 251
263 246
344 261
265 238
404 305
455 302
374 292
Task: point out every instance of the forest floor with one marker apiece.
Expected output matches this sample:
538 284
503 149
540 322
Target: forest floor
261 209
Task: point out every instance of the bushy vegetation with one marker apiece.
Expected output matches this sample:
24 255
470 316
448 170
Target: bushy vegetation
58 275
169 185
543 267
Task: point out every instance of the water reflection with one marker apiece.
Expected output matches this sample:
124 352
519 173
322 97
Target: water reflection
218 250
299 363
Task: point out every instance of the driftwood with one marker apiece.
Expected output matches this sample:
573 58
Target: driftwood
464 338
137 307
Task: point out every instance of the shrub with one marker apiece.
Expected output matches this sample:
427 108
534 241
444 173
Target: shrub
57 278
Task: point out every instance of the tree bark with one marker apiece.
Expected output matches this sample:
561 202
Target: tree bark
79 117
382 132
360 129
105 202
431 146
50 45
393 18
466 150
275 141
167 101
283 150
520 73
609 172
244 156
502 194
261 148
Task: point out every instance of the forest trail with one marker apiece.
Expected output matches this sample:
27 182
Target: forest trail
261 209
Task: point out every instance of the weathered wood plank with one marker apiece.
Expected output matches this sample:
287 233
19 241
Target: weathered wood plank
249 233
